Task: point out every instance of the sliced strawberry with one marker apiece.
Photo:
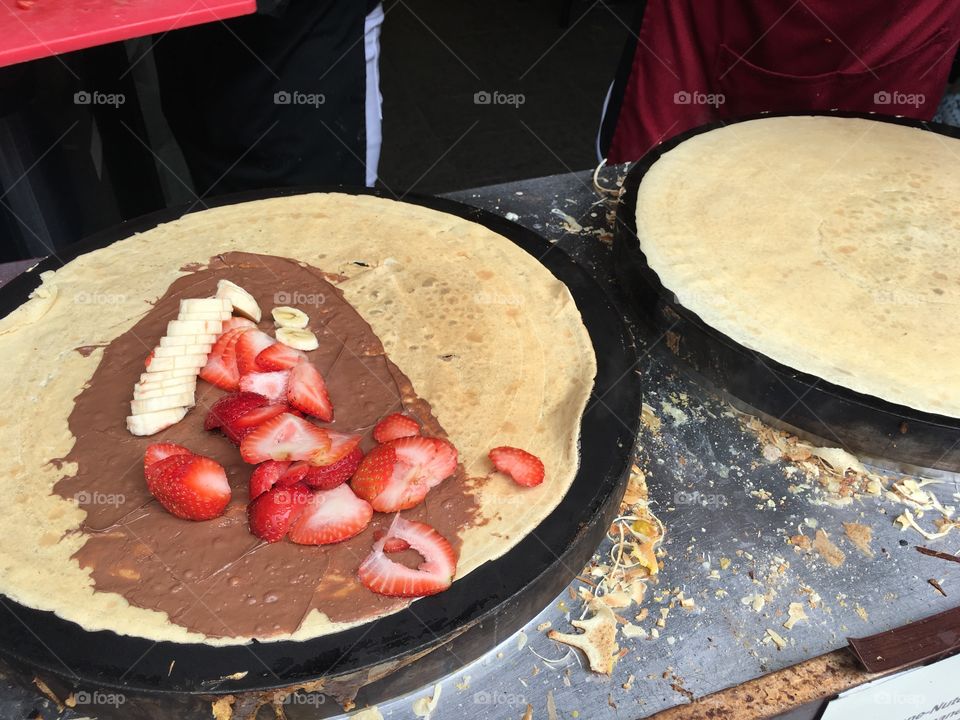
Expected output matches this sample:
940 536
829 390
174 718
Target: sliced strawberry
266 475
388 577
392 544
422 464
192 487
161 451
238 323
240 427
326 477
331 516
524 468
269 384
374 472
395 426
221 368
341 445
146 363
308 392
406 488
230 407
251 344
279 357
271 514
296 473
284 437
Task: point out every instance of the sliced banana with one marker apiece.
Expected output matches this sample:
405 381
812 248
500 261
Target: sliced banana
155 375
154 422
218 315
166 402
204 305
297 338
178 350
161 364
194 327
289 317
149 392
243 302
167 341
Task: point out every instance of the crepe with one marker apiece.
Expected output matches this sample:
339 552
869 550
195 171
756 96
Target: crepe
485 333
827 244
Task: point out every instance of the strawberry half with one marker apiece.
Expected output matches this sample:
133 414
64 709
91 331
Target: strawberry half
422 464
284 437
192 487
271 514
266 475
327 477
221 368
375 470
230 407
307 391
331 516
388 577
395 426
251 344
272 385
160 451
279 357
524 468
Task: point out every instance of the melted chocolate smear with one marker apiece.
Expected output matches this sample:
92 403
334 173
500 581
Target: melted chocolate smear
215 577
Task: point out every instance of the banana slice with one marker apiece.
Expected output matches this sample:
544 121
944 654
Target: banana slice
148 392
204 305
297 338
167 402
218 315
155 375
177 350
242 301
194 327
178 363
154 422
167 341
152 381
289 317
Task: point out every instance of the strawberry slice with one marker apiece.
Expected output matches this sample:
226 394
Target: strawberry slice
251 344
271 513
296 473
266 475
374 472
392 544
161 451
524 468
242 426
221 368
230 407
279 357
308 392
395 426
422 464
331 516
272 385
327 477
238 323
388 577
284 437
341 445
192 487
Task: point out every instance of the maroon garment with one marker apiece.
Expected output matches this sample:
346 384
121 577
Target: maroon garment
701 61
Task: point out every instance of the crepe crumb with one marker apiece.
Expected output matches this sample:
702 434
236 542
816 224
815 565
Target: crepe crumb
724 563
776 638
827 550
528 715
464 683
222 708
628 685
861 537
598 641
426 705
862 613
543 626
795 613
370 713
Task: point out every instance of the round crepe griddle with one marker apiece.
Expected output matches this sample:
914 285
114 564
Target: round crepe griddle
893 435
511 589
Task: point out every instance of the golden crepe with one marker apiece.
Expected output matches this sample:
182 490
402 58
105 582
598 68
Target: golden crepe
484 332
828 244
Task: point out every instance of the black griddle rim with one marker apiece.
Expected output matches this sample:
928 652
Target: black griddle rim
626 236
103 659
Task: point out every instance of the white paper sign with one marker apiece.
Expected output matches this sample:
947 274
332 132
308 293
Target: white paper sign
931 692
